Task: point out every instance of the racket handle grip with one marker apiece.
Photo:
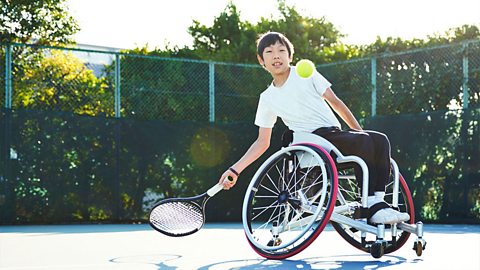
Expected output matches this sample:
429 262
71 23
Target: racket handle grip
214 190
218 187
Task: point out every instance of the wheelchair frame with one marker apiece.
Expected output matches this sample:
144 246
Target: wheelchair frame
318 149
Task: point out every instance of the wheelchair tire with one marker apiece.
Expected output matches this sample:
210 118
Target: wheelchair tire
394 242
289 201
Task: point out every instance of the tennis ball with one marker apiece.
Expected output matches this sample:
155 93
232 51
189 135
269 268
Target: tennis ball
305 68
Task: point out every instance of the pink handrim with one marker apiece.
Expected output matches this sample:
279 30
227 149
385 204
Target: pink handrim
409 198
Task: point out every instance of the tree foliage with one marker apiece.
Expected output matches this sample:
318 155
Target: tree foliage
36 21
233 40
392 45
61 82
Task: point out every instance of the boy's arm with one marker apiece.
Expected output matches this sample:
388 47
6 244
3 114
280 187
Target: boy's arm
341 109
258 147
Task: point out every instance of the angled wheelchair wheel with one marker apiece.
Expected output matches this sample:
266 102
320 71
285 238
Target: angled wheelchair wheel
289 201
349 193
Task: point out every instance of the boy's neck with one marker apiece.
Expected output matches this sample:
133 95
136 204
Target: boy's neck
281 78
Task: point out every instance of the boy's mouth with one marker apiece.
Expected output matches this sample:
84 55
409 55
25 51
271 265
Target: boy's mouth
277 64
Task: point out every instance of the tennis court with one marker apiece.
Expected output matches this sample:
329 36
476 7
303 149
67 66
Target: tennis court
217 246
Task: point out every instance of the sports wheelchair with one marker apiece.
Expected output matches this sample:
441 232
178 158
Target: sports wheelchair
300 188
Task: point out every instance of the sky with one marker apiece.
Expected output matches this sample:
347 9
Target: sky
128 24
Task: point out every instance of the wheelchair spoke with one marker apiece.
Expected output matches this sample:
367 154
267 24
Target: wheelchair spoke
296 165
280 173
351 194
314 183
266 196
348 187
273 184
387 186
270 219
269 189
301 179
265 208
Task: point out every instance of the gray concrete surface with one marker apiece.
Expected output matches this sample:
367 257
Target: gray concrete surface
217 246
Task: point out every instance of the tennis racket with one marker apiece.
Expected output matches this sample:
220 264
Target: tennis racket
181 216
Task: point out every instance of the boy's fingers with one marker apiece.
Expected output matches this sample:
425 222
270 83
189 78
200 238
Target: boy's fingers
228 182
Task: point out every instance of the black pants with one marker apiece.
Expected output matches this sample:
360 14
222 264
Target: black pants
371 146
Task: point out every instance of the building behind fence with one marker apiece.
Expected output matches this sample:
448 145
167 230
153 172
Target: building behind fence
90 135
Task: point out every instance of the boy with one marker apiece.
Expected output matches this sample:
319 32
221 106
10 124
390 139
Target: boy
302 105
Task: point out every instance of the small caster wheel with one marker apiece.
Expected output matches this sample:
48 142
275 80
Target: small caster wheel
377 250
418 247
274 242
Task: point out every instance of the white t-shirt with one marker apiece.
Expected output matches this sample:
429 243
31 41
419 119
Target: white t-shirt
299 103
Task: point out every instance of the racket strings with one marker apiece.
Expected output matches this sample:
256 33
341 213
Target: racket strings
177 217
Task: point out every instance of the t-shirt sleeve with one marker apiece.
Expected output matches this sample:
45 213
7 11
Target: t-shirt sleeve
265 117
320 83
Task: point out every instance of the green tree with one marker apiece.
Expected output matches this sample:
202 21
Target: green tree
61 81
392 45
313 38
36 21
231 39
228 39
63 171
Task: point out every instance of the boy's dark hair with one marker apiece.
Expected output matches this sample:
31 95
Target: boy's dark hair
267 39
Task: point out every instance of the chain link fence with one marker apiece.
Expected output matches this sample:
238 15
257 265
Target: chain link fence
2 76
352 82
237 88
54 79
169 89
117 84
420 82
164 127
472 80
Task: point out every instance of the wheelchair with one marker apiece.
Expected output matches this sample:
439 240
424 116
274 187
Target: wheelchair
302 187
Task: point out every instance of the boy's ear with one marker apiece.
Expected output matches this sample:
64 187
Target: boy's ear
260 60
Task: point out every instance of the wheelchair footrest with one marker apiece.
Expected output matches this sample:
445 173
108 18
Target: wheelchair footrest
364 212
361 212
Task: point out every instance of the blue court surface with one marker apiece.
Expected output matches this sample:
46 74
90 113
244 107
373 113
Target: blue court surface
217 246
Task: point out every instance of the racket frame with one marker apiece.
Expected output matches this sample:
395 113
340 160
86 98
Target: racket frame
199 201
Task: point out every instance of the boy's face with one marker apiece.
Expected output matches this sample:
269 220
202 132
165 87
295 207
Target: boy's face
275 59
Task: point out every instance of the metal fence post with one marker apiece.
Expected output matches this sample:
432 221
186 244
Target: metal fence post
117 86
465 76
374 85
7 196
8 76
117 134
211 91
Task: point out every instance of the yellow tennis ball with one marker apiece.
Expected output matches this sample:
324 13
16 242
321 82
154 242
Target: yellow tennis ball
305 68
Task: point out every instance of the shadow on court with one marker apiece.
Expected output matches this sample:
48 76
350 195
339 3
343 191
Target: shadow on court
216 247
348 262
157 260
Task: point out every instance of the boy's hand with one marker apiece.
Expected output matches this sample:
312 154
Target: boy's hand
228 179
